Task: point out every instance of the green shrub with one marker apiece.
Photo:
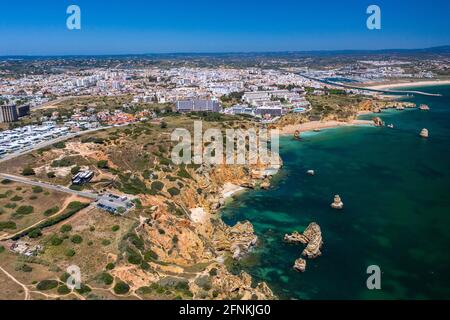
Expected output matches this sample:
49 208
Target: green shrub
2 249
7 225
66 228
150 255
23 210
75 170
16 198
106 278
157 185
182 173
28 171
76 205
59 145
110 266
121 288
10 205
37 189
6 181
35 233
134 257
76 187
83 289
77 239
45 285
115 228
51 175
63 290
173 191
24 268
102 164
213 272
51 211
56 241
106 242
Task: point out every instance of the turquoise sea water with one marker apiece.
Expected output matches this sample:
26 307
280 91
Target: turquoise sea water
396 190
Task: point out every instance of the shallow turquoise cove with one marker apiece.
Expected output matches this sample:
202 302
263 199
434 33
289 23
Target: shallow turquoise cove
396 190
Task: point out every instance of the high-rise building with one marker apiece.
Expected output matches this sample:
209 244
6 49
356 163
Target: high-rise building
198 105
12 113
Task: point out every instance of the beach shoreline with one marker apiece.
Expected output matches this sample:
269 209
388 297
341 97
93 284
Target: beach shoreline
319 125
394 85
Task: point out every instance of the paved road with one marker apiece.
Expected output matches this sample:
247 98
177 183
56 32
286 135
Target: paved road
50 186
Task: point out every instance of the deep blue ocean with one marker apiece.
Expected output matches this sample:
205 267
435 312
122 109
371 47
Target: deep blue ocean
395 187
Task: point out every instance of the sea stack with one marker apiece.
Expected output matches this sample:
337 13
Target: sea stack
337 203
310 172
378 122
300 265
297 135
424 133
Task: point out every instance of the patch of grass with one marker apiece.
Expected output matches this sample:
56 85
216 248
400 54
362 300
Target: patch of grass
56 241
72 208
70 253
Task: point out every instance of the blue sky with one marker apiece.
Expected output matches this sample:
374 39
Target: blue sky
38 27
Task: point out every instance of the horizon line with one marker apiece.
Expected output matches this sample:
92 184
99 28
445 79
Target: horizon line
227 52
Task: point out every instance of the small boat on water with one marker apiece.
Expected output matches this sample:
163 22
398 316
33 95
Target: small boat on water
390 126
424 107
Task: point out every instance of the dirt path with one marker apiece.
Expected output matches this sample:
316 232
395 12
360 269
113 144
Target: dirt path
25 288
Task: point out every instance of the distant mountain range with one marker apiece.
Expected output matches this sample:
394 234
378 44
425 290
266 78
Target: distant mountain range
439 50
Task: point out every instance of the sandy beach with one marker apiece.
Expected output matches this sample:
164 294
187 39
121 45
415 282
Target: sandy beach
229 189
408 84
317 125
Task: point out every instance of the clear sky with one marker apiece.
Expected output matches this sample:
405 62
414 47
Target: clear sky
38 27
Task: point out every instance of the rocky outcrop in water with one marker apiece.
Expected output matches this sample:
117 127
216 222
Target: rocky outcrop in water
424 133
312 237
378 122
337 203
300 265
